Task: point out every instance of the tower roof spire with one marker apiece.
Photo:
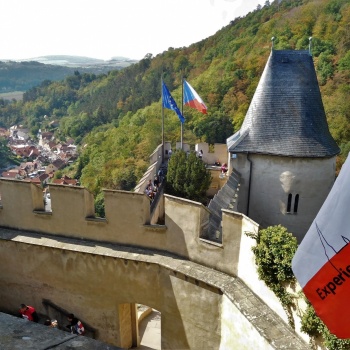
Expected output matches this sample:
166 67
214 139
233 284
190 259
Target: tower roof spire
286 115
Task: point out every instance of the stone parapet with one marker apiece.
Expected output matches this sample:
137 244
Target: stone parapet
114 274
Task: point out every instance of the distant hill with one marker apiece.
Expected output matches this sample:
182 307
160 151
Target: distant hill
24 74
82 61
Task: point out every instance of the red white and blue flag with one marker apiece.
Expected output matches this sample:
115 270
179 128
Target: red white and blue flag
192 99
322 261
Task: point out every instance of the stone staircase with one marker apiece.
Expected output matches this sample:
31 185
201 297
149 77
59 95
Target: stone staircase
226 198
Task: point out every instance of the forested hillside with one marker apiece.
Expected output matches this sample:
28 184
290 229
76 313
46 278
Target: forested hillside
117 117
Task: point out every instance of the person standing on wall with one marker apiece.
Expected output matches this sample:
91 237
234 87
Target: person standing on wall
29 313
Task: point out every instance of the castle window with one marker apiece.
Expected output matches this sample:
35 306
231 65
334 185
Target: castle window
289 203
296 202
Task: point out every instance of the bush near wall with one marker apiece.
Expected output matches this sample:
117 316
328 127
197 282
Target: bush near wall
274 251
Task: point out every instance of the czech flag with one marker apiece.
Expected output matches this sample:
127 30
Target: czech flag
322 261
169 102
192 99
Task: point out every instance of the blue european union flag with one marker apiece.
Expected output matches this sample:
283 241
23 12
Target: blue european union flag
169 102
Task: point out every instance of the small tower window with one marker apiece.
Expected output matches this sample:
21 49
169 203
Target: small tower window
289 204
296 202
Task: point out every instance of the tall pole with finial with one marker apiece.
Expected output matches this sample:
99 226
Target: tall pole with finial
182 109
163 142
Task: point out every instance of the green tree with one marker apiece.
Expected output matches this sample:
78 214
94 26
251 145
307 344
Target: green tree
274 250
100 205
187 176
58 174
344 63
80 167
215 129
5 152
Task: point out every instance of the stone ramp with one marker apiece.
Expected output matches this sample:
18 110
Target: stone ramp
17 333
224 199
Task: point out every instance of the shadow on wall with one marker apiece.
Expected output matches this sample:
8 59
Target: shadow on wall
55 312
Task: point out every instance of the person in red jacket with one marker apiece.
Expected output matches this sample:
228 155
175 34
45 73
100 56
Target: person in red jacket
29 313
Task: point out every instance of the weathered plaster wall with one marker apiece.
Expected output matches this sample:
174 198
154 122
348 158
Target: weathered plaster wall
273 178
217 180
242 165
210 156
184 220
95 288
72 266
127 221
237 332
95 281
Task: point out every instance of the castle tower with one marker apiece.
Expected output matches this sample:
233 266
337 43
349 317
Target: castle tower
284 150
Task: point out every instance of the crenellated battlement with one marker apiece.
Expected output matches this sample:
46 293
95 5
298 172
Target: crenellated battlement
175 254
127 221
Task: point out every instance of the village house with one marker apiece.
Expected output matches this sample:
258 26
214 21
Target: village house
44 178
16 173
30 167
55 165
45 137
25 151
66 180
18 132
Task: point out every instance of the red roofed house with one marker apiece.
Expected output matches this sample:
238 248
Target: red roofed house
65 180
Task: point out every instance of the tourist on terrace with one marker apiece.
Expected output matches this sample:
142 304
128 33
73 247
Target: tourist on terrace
29 313
160 175
224 168
156 181
75 326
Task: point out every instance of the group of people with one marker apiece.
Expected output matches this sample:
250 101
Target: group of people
152 187
224 166
29 313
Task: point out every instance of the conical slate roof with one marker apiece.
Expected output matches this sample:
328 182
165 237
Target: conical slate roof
286 116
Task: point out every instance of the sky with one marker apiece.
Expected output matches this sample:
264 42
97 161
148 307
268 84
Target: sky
110 28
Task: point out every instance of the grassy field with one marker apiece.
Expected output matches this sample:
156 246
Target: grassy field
17 95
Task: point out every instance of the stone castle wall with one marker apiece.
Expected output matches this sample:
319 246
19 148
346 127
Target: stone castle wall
86 263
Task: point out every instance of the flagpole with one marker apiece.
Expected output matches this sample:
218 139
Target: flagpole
182 109
163 142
